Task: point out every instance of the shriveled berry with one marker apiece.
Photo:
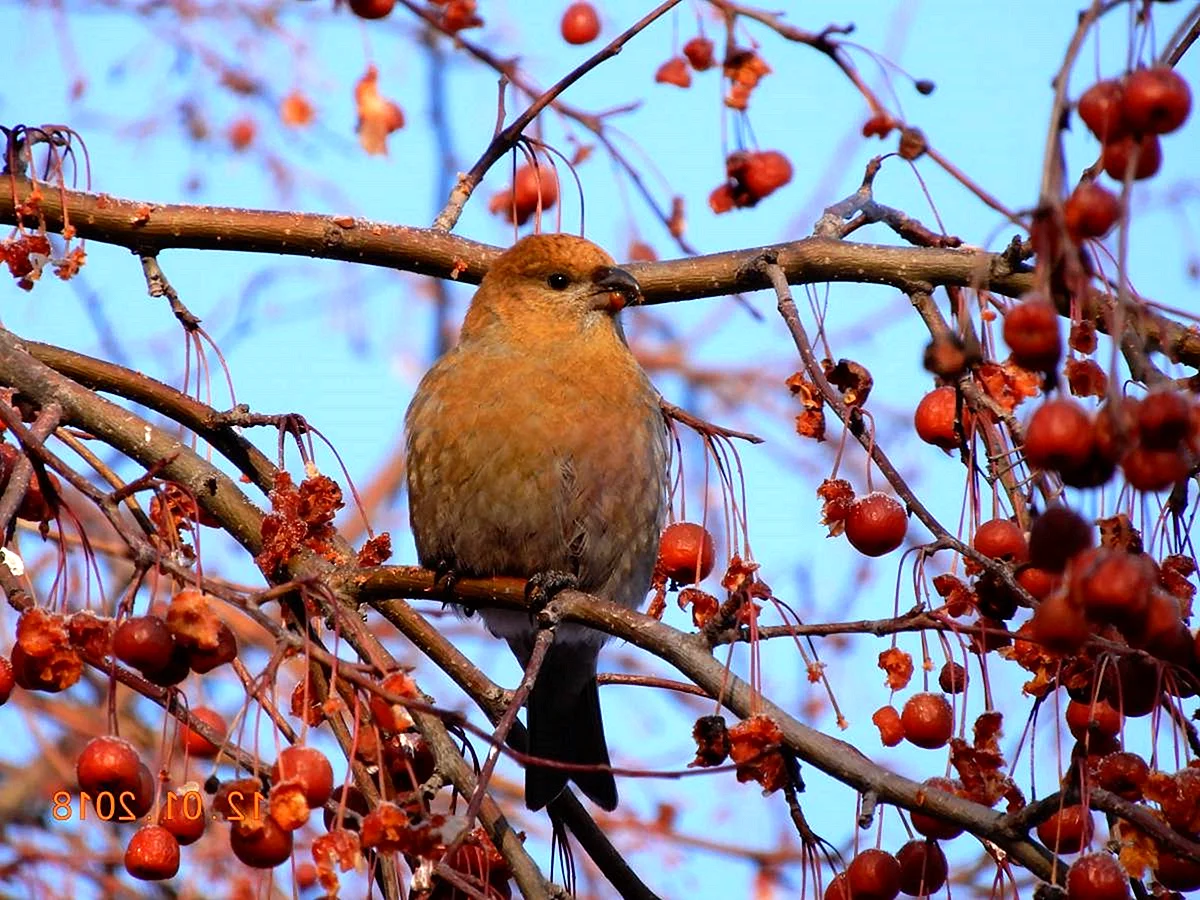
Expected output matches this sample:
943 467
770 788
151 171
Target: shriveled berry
674 71
202 661
953 678
891 729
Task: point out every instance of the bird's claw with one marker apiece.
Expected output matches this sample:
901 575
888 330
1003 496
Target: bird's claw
445 577
544 586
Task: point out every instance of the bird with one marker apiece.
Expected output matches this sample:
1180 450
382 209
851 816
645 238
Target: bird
538 445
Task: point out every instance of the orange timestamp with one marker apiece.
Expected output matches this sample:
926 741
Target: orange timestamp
109 807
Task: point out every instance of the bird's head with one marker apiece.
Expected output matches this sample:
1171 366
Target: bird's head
555 281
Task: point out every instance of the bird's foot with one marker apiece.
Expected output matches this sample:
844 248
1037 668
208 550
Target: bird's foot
544 586
445 577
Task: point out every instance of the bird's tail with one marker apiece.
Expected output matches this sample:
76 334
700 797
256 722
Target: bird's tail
565 726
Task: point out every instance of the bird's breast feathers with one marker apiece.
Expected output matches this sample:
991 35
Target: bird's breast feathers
523 465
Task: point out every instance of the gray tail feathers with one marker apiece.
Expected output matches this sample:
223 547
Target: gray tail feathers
565 726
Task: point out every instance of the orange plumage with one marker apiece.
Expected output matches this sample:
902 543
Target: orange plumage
538 444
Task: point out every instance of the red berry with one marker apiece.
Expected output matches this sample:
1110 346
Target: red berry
837 889
699 52
152 854
1163 419
176 670
1157 100
1144 154
1175 872
876 524
764 172
1153 470
1161 631
108 764
143 642
923 868
686 552
143 795
371 9
1039 583
873 875
580 24
1031 332
183 815
1124 774
311 768
1091 211
1056 536
1001 539
1113 586
935 417
929 825
1097 876
1059 436
201 661
521 201
1100 109
260 843
1058 625
1067 831
194 743
928 720
1096 718
7 681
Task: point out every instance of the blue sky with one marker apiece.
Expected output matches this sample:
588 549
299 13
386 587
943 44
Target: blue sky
345 345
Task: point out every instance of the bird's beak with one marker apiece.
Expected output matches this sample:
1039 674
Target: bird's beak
615 288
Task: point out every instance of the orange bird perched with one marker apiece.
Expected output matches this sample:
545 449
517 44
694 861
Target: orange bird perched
537 445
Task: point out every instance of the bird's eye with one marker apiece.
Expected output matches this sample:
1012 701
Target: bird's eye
558 281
